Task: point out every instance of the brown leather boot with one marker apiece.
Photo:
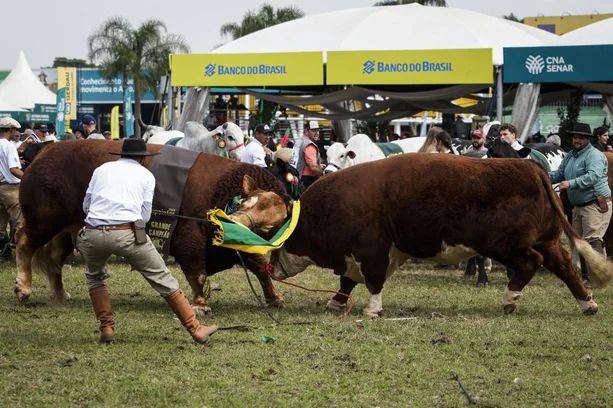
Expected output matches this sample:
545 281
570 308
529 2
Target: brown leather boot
180 305
102 308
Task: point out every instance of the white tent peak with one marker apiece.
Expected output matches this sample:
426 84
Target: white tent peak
404 27
600 32
22 88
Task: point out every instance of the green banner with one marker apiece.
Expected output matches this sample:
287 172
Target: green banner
60 124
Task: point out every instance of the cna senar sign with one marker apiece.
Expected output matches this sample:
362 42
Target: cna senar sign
576 63
461 66
284 69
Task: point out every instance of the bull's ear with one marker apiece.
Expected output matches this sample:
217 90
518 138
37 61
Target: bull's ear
351 154
248 184
225 126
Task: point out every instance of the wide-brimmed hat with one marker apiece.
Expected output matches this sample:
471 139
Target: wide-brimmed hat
9 123
581 129
134 147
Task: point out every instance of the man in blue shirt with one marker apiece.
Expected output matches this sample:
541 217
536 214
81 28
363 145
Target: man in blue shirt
583 173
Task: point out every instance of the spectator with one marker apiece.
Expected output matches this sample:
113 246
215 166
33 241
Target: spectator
306 157
40 132
443 143
10 173
255 152
478 143
79 134
429 145
583 172
600 139
89 128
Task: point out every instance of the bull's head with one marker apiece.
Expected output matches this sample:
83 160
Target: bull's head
339 157
234 140
261 211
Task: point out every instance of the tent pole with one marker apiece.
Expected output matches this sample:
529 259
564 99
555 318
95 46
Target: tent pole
499 93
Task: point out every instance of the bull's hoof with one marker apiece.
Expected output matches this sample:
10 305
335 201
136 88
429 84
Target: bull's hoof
335 305
590 311
372 314
588 307
202 311
483 284
61 298
510 308
22 294
278 303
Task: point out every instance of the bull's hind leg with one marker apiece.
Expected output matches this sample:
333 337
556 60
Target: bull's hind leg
197 280
525 265
24 253
258 264
50 258
559 262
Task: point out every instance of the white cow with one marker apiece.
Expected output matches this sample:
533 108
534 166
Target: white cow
361 149
227 140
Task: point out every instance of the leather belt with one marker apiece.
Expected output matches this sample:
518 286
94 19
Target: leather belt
125 226
588 203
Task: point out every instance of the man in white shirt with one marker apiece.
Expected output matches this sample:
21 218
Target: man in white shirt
255 152
118 200
10 173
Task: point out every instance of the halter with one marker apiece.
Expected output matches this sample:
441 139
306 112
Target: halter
254 226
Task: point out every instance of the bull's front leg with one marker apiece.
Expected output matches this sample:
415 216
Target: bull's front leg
339 301
482 279
258 264
197 280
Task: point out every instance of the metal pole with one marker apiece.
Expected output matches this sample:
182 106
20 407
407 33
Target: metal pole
499 95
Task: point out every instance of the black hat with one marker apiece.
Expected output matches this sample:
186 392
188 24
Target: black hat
40 126
581 129
134 147
262 128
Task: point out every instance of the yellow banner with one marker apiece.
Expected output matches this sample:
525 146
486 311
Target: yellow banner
67 78
294 68
464 66
115 122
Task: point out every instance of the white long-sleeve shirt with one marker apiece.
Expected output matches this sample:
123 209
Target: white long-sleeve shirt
9 159
119 192
254 153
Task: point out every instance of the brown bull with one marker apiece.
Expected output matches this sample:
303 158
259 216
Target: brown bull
365 221
51 197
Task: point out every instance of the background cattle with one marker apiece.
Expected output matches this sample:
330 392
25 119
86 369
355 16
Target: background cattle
226 140
51 197
365 221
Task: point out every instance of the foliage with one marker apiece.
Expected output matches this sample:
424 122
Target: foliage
71 62
512 17
545 355
139 53
265 17
569 117
435 3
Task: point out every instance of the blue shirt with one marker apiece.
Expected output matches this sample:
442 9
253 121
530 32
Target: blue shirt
587 172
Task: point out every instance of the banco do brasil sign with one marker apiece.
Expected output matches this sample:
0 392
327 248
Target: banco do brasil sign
284 69
466 66
576 63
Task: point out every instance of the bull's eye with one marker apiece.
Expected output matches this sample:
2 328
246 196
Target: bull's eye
230 138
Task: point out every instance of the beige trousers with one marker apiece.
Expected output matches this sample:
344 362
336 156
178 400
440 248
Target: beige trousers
9 201
590 223
98 245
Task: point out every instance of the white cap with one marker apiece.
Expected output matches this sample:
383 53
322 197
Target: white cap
313 124
7 122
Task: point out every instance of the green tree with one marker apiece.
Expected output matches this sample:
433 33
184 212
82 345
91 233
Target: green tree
254 21
435 3
265 17
138 53
512 17
71 62
569 117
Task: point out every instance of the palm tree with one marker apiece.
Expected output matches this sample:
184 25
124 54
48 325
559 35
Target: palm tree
435 3
254 21
140 54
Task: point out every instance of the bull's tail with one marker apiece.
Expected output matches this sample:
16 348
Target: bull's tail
601 269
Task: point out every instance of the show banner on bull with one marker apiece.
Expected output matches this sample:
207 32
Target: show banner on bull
294 68
67 79
464 66
576 63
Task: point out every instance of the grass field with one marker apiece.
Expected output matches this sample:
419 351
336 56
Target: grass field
547 354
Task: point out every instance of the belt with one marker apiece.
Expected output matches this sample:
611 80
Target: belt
125 226
586 204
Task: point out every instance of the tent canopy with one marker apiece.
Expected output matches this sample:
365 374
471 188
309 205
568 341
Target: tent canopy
600 32
405 27
22 88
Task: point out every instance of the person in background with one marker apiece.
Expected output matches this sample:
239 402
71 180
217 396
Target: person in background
600 139
40 132
584 173
50 136
89 128
117 208
429 145
508 134
306 157
443 143
107 135
79 133
10 173
255 152
478 143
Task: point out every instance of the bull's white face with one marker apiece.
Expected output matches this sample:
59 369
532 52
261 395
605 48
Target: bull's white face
339 157
150 131
235 140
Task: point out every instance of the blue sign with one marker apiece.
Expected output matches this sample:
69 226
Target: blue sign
576 63
92 87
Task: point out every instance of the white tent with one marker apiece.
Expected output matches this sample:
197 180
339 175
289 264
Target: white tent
21 88
600 32
7 107
406 27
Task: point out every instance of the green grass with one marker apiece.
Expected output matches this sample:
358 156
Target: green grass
546 354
